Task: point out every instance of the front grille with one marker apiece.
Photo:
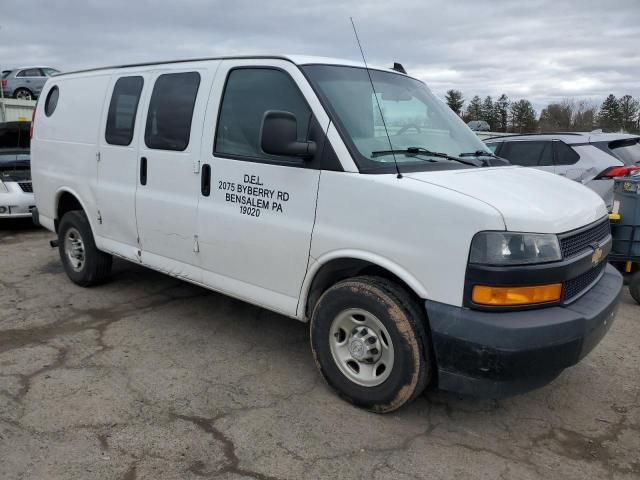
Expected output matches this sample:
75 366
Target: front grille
576 243
574 287
26 187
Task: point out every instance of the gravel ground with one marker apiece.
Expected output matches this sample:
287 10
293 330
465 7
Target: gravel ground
150 377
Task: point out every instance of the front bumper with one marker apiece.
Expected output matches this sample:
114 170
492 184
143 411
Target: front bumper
498 354
16 203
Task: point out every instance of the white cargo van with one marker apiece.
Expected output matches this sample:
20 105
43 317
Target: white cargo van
361 205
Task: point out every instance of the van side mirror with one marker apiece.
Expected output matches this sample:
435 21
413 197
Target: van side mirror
279 136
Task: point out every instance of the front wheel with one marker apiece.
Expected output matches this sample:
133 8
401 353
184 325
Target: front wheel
84 264
370 343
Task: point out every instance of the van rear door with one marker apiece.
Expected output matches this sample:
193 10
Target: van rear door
168 169
257 211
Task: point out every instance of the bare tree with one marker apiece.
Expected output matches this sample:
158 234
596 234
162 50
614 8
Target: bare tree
557 117
584 116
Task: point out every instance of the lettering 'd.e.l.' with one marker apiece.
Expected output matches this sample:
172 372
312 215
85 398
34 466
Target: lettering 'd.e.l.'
252 179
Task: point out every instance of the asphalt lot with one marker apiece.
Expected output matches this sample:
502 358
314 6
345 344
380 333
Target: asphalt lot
150 377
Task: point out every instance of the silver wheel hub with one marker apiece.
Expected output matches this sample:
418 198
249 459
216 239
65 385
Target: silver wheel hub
357 349
364 345
74 249
361 347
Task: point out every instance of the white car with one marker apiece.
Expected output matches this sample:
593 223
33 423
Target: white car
361 204
16 192
593 159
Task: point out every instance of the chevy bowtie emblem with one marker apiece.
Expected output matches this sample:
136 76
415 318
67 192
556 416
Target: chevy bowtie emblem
596 256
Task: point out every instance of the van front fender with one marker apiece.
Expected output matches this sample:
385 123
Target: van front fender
316 265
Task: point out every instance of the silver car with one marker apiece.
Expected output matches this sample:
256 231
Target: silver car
479 126
593 159
16 192
25 83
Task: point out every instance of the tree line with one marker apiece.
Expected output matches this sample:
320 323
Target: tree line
568 115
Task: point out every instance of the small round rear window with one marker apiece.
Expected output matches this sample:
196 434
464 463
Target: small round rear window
52 101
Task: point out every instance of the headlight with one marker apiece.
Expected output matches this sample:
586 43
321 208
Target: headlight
506 248
3 187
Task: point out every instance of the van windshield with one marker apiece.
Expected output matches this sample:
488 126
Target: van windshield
414 118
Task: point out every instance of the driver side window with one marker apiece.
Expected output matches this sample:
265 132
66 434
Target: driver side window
249 93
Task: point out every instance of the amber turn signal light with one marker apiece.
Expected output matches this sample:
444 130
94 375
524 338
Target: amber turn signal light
506 296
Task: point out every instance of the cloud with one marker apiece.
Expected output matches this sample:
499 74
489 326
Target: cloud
541 49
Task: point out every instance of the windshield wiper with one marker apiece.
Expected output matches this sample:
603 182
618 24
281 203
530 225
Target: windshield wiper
422 151
487 163
479 153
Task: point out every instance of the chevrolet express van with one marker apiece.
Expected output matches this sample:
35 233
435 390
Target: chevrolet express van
359 204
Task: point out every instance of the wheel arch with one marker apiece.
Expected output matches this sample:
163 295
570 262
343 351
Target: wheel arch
67 200
17 89
336 266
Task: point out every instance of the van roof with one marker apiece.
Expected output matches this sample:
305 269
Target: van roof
297 59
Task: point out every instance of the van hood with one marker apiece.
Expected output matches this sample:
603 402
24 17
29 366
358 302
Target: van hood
529 200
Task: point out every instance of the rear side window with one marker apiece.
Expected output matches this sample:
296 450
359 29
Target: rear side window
528 154
171 111
565 155
5 73
121 118
626 150
248 94
493 146
52 101
30 72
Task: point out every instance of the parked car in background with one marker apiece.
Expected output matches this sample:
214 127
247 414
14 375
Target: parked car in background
486 135
593 159
25 83
16 192
479 126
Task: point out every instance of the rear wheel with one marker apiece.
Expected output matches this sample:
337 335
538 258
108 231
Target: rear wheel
84 264
23 94
369 342
634 286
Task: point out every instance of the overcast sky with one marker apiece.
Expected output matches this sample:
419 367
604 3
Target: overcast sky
541 50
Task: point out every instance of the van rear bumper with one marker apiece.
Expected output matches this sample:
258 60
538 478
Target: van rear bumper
498 354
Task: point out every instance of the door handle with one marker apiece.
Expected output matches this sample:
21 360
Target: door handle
205 180
143 171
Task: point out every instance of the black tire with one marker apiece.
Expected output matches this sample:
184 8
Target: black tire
96 265
23 94
634 286
405 323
